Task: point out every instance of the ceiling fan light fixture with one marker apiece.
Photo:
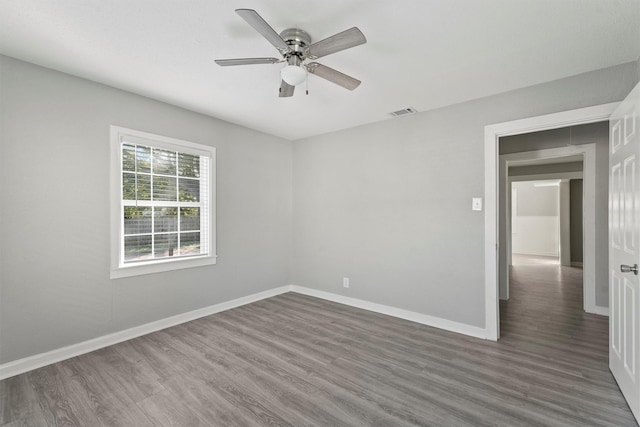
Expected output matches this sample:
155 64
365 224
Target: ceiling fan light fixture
294 44
293 74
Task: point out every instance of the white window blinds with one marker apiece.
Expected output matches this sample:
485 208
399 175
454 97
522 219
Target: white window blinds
164 201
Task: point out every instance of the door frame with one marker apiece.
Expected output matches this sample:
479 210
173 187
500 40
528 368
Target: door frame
492 133
588 175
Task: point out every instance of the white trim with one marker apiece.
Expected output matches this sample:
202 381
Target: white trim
436 322
602 311
547 254
39 360
491 134
159 266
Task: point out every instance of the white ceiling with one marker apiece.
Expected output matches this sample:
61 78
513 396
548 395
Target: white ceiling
420 53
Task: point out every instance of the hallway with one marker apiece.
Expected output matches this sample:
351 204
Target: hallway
544 318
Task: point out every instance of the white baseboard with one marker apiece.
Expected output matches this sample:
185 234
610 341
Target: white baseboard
39 360
602 311
547 254
424 319
30 363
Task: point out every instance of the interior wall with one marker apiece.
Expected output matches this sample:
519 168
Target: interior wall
554 138
564 228
389 204
54 227
597 133
535 201
535 219
545 169
576 206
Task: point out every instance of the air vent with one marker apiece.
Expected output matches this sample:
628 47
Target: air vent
404 112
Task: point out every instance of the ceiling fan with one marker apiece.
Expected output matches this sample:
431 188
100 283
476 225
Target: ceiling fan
296 49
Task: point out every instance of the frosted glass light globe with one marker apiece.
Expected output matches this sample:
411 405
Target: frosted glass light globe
293 74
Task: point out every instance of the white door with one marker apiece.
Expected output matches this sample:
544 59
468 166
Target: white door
624 250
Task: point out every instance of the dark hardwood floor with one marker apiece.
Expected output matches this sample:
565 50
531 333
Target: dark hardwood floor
300 361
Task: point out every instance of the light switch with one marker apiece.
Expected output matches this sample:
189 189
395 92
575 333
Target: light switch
476 204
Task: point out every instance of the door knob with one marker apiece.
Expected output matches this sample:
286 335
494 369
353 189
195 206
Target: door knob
628 269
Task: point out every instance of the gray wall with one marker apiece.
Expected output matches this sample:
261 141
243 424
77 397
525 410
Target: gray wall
597 133
54 227
572 135
389 204
575 191
545 169
535 224
536 201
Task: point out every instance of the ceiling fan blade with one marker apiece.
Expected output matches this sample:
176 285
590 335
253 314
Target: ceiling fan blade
286 90
341 41
333 76
261 26
247 61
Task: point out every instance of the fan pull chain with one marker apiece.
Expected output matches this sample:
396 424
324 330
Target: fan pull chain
307 83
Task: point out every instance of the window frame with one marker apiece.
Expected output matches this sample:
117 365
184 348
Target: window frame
119 268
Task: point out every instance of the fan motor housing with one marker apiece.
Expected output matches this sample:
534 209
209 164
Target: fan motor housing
297 40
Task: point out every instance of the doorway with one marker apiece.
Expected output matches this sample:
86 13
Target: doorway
544 161
540 215
492 186
545 214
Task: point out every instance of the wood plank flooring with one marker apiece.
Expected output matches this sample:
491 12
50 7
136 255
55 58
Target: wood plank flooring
295 360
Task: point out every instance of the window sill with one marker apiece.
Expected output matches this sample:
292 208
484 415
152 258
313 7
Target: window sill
161 266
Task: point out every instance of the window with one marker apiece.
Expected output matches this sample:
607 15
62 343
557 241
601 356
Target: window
162 211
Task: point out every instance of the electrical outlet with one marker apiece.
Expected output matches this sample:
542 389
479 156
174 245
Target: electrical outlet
345 282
